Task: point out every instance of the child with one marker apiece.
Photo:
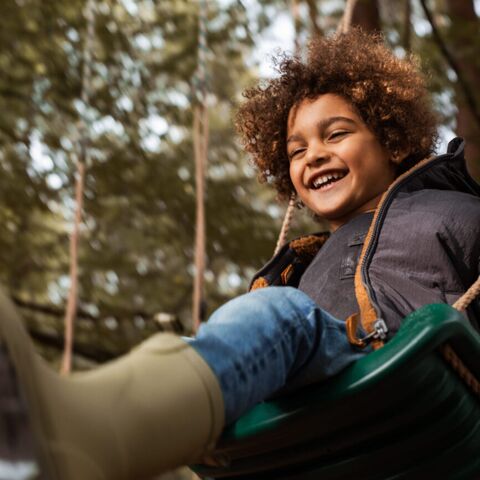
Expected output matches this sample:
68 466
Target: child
347 131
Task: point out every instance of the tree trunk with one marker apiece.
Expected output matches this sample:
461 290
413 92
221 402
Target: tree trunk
315 28
407 26
464 29
366 15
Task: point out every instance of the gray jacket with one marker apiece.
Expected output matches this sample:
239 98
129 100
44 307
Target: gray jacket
422 247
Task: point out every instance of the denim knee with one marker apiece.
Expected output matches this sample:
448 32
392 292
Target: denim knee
279 306
255 341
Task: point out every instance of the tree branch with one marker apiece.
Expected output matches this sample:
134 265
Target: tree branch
60 312
469 97
47 309
90 352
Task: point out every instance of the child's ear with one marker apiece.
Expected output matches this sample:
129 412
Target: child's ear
398 157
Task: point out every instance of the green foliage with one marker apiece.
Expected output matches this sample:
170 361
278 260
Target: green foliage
136 249
137 236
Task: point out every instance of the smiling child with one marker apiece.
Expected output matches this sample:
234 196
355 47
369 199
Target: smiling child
337 166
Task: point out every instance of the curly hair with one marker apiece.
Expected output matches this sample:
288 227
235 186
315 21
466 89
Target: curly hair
389 93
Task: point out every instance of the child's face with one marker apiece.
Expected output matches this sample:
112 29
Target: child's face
337 166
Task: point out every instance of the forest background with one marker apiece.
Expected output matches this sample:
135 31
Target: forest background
136 243
137 233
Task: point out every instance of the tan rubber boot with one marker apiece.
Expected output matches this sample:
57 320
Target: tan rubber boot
154 409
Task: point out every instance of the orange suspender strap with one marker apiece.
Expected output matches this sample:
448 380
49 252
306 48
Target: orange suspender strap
368 316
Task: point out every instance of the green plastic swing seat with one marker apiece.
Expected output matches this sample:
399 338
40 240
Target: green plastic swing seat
400 412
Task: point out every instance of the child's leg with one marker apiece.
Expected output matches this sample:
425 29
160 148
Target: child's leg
272 337
164 393
147 412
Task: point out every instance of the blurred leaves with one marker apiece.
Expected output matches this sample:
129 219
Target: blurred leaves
137 236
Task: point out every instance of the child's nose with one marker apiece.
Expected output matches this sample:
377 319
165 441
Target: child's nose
317 155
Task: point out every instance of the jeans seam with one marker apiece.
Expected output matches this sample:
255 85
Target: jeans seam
283 336
301 320
323 326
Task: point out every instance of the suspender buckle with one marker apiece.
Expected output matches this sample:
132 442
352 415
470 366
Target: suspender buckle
379 332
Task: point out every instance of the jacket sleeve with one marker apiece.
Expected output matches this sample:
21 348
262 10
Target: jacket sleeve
463 241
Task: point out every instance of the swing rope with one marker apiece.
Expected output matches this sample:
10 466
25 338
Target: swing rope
282 237
448 352
468 297
343 27
82 161
200 142
460 368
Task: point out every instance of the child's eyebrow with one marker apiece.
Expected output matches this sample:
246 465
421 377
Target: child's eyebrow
325 123
322 125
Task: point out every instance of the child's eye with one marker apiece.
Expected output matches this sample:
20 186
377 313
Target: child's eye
295 152
337 134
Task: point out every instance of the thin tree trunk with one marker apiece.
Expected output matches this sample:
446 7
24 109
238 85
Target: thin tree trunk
316 30
407 26
465 29
453 63
297 24
366 15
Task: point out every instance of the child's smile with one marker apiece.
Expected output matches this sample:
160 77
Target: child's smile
325 181
337 166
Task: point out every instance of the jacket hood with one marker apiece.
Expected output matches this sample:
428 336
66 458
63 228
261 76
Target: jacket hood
444 172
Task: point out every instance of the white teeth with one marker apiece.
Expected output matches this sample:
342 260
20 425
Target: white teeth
319 181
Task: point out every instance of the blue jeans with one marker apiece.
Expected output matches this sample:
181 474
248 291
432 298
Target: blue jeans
268 339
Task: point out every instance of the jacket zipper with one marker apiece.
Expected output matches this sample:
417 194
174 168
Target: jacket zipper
380 218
